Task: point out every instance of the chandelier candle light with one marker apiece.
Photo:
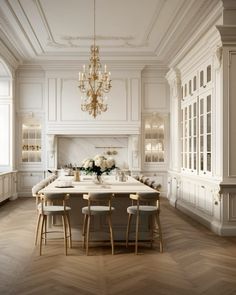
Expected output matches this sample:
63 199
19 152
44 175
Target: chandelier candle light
94 83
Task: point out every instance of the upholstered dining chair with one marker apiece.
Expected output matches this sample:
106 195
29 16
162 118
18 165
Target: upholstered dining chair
98 204
54 205
145 204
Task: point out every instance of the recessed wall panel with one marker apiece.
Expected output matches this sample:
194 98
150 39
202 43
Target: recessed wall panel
30 96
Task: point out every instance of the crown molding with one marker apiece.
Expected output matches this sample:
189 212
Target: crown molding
207 32
227 34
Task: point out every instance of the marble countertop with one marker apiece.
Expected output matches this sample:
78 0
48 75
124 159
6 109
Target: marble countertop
110 184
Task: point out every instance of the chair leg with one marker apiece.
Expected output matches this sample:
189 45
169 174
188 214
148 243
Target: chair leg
69 229
160 232
45 229
152 225
65 232
128 229
87 234
136 234
37 229
111 234
41 234
84 230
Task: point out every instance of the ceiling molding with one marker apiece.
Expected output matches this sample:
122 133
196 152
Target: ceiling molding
157 30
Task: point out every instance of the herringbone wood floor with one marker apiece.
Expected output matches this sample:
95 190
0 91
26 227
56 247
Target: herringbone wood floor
195 261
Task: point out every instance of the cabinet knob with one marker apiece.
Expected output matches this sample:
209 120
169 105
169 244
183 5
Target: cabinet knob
31 174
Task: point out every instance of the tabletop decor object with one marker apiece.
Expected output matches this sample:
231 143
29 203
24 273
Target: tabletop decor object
98 165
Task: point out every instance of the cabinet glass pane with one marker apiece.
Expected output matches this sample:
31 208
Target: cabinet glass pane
201 162
208 161
209 103
208 143
190 87
201 78
209 123
31 143
154 139
194 83
208 73
201 124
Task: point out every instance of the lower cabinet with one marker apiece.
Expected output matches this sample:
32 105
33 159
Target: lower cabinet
26 180
8 185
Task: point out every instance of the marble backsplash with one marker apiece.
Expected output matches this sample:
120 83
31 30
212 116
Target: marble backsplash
75 149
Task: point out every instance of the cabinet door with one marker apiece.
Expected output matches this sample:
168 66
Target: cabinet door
205 133
7 185
26 180
1 189
189 136
31 143
154 139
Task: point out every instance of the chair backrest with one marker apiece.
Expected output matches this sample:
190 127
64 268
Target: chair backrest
101 198
151 198
54 199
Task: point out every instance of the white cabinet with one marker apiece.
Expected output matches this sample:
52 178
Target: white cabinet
7 186
31 142
154 138
30 152
26 180
196 123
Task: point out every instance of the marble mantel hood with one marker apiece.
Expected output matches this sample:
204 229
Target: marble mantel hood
95 129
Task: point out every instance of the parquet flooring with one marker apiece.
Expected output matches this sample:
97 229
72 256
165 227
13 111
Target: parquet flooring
195 261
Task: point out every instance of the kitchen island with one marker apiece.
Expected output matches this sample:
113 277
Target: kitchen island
121 201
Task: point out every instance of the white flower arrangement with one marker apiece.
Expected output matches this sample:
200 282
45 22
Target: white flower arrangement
99 165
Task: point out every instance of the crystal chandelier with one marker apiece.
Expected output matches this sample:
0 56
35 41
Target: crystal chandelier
94 83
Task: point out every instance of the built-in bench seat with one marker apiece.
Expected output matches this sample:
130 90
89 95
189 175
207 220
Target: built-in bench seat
151 181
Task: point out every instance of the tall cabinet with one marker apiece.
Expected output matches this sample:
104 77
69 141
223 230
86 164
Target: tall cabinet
202 181
30 130
155 125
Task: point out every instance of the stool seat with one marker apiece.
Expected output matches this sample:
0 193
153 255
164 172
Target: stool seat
53 210
143 209
94 210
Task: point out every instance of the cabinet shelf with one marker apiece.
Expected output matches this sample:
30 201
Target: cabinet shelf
154 146
31 143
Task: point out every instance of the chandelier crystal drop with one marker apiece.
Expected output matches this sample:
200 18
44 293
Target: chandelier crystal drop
94 83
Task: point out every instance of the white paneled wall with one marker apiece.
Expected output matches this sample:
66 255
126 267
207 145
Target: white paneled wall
64 114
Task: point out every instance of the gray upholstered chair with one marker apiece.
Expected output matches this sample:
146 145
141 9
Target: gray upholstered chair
145 204
54 205
98 204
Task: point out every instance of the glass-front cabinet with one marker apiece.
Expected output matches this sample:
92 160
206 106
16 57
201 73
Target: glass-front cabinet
31 142
196 123
154 138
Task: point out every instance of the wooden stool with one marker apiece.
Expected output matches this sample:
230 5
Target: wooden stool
97 210
148 210
54 205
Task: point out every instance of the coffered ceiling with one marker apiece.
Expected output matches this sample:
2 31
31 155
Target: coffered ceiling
43 30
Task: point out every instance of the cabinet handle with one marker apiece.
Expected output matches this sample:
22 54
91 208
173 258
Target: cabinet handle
31 174
204 86
202 186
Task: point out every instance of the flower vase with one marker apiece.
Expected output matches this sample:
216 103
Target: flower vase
98 179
